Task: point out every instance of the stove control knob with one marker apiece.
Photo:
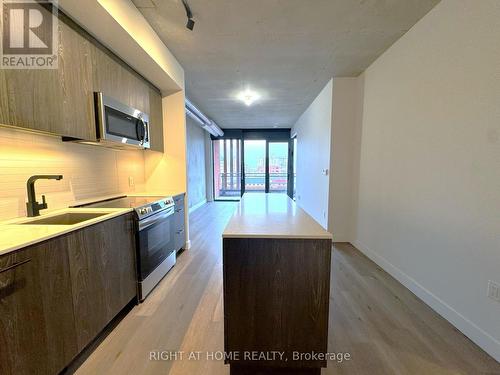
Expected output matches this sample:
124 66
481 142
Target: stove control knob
143 211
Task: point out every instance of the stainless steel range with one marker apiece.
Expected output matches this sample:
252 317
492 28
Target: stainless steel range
155 237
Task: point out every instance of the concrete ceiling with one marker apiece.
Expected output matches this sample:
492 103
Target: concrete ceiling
286 50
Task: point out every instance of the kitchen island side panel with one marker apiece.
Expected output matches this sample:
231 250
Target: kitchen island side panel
276 299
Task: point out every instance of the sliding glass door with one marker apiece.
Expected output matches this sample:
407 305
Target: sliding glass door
252 161
255 165
227 169
278 167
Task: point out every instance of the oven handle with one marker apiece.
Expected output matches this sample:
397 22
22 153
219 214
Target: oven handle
152 220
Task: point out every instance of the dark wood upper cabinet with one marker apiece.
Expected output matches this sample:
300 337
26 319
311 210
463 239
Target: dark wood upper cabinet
57 101
155 119
115 79
61 101
77 117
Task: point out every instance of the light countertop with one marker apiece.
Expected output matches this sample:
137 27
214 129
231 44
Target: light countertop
162 193
262 215
14 236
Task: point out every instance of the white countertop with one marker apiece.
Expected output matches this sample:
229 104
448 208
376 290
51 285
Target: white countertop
14 236
262 215
162 193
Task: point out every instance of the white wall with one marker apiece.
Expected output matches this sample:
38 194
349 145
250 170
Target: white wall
313 154
328 137
429 193
344 157
196 172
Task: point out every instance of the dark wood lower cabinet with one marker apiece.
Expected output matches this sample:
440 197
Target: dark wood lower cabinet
276 300
37 331
57 296
103 280
180 226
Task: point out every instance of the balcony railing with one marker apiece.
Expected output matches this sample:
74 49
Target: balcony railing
230 183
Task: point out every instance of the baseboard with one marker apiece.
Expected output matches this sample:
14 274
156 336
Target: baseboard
484 340
340 238
197 205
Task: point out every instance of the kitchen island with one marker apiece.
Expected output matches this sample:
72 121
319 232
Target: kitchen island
276 269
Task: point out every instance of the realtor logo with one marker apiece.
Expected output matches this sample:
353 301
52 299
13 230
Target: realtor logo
29 34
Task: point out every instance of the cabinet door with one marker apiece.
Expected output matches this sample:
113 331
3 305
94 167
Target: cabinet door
114 79
180 235
103 276
57 101
155 120
37 331
22 346
76 84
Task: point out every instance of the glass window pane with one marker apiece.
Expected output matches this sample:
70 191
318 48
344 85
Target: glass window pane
227 170
255 166
278 167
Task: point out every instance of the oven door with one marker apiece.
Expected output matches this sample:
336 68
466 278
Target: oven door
121 124
155 241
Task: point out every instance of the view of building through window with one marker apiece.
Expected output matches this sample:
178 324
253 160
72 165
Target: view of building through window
227 167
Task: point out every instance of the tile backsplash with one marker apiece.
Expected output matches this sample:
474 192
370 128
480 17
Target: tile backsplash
89 171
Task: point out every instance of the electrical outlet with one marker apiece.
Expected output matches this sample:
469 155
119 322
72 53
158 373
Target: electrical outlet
494 290
131 182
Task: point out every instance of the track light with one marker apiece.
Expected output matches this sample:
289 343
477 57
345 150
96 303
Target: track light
189 14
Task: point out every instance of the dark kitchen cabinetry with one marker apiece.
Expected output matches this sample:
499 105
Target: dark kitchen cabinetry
56 296
155 119
37 330
114 79
57 101
103 279
294 276
179 219
61 101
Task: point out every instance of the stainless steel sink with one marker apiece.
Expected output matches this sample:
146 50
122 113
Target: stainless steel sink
69 218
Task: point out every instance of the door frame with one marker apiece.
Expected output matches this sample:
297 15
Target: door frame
268 135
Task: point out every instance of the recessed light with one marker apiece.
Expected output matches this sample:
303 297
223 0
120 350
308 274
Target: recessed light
248 97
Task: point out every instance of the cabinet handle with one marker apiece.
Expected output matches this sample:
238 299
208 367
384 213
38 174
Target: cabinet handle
15 265
180 231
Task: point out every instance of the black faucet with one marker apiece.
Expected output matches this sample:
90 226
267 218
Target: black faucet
33 207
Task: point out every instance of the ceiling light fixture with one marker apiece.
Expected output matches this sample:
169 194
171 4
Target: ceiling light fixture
189 14
248 97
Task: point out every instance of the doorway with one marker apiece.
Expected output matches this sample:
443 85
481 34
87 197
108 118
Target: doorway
227 169
278 167
250 161
255 165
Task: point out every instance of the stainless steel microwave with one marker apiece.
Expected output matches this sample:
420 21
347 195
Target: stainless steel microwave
119 125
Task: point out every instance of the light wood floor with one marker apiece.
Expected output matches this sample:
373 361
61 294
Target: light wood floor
384 327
